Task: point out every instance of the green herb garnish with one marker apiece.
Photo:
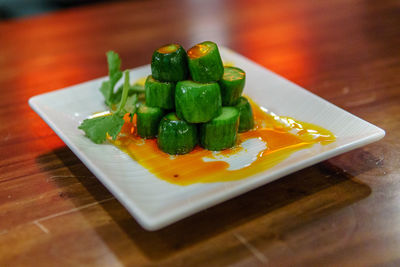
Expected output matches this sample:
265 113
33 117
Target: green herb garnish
114 73
96 129
111 98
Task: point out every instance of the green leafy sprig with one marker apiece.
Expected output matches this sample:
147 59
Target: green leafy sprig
111 98
114 73
96 129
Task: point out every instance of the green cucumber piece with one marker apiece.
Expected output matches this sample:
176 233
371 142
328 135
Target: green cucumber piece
176 136
197 102
221 132
159 94
205 64
246 121
147 121
169 63
232 84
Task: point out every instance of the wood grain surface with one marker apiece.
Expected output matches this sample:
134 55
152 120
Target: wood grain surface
342 212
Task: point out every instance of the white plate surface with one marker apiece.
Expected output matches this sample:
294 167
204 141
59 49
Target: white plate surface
156 203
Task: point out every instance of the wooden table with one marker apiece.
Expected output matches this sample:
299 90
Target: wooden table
345 211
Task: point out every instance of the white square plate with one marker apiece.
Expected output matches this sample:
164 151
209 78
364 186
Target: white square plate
156 203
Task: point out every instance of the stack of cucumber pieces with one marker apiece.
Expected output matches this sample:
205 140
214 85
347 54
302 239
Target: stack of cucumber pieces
191 98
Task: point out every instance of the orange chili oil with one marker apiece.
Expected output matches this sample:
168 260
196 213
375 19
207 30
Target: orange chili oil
168 48
275 131
198 51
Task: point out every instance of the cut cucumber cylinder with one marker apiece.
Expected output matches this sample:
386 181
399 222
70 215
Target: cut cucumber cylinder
159 94
176 136
197 102
221 132
205 64
246 121
232 84
169 63
147 121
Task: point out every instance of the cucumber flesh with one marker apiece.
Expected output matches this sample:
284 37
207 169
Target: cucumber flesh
205 64
246 121
148 119
221 132
197 102
169 63
159 94
232 84
176 136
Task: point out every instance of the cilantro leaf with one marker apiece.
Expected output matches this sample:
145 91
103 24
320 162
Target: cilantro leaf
98 128
125 90
115 74
130 106
106 90
133 90
114 67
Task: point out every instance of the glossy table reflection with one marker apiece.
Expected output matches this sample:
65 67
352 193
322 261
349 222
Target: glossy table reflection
345 211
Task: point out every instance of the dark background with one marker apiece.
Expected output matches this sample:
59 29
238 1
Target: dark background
12 9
